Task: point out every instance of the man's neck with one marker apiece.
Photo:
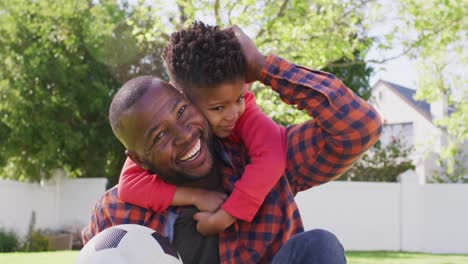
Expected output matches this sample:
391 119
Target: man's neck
210 182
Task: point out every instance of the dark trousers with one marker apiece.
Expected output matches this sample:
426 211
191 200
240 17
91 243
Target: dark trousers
312 247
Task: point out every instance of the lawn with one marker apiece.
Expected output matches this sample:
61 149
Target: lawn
65 257
403 258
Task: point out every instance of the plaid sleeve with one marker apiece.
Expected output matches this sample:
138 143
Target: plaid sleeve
343 126
95 223
109 211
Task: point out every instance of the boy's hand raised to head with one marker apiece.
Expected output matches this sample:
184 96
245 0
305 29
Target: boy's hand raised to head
254 59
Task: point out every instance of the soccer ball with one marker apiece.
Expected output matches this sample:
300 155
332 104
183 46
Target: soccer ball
128 244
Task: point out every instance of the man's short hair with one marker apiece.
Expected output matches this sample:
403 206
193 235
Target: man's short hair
203 56
126 97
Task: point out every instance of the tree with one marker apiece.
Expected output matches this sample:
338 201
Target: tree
436 36
382 163
333 39
62 61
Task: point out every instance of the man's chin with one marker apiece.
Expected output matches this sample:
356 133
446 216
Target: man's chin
179 179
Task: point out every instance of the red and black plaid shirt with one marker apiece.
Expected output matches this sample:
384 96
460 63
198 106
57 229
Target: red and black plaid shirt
318 151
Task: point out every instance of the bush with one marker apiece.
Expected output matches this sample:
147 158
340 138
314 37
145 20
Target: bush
39 242
36 240
9 241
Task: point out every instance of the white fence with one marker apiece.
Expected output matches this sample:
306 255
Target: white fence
405 216
58 203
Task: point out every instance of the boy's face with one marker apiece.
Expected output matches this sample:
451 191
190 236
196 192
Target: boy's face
221 105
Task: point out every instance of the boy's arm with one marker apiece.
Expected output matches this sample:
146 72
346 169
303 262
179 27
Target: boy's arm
137 186
265 144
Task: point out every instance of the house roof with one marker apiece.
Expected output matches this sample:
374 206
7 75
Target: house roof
407 95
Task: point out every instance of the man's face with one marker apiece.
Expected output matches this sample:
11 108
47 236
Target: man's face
168 135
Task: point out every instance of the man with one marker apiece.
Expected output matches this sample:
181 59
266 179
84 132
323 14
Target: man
344 126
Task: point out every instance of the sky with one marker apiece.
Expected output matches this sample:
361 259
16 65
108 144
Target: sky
402 71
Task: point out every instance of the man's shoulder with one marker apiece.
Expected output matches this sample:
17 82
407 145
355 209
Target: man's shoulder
109 198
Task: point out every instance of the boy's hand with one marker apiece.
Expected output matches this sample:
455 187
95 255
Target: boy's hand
204 200
210 224
208 201
254 59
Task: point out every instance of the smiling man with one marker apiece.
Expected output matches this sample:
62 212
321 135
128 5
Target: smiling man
318 151
147 109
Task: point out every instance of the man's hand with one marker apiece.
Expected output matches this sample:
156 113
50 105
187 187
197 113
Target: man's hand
210 224
254 59
208 201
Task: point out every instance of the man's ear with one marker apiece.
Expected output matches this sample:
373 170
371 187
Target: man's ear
136 158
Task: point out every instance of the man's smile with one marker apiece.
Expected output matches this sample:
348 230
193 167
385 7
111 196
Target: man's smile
193 152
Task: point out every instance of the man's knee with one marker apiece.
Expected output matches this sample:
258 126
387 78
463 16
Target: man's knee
319 238
314 246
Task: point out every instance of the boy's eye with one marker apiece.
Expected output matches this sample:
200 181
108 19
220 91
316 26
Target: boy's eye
181 110
241 99
218 108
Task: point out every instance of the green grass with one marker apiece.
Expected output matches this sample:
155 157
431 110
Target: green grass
65 257
403 258
57 257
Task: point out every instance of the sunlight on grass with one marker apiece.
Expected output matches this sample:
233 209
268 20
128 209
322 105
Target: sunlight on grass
65 257
58 257
403 258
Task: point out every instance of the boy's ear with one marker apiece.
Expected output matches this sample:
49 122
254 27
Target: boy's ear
136 158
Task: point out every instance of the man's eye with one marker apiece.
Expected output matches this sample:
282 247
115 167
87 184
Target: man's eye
181 110
159 136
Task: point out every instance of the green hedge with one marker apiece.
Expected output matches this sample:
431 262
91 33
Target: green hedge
9 241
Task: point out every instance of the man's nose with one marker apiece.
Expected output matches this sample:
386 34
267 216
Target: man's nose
183 133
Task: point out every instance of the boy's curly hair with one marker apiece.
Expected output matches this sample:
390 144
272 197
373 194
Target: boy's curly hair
203 56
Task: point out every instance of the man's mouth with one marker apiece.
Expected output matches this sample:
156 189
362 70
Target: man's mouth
193 152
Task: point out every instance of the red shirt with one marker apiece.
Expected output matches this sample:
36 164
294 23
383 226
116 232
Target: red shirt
319 150
263 140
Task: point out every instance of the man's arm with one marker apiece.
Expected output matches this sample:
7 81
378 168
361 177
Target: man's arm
344 125
96 224
110 211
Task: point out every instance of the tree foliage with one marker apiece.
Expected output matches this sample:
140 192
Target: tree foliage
437 33
62 61
382 163
327 35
